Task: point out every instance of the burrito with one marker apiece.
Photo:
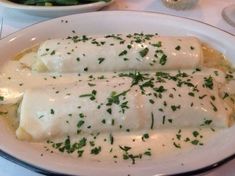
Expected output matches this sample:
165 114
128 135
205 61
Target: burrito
131 101
118 52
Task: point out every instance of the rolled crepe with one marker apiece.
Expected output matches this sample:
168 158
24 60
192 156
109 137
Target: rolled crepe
118 53
128 102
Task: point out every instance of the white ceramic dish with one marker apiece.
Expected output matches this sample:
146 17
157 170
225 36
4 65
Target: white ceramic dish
215 152
54 11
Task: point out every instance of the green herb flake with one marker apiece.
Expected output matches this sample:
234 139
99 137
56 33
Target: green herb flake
109 110
195 142
81 115
152 121
207 122
3 112
214 107
80 123
1 98
151 101
124 148
163 119
170 120
174 107
192 48
159 44
225 95
163 59
208 82
176 145
86 69
145 136
91 85
96 150
124 52
129 46
191 94
53 52
177 48
52 111
101 59
103 121
195 133
147 153
91 95
144 52
111 139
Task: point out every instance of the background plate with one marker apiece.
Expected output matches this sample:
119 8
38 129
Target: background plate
217 149
54 11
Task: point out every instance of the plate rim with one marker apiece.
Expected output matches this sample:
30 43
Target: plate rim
40 170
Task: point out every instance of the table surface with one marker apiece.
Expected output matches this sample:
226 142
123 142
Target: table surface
208 11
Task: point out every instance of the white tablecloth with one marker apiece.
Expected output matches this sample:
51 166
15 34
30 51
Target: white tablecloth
208 11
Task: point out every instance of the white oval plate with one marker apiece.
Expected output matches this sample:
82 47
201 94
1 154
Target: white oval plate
54 11
213 153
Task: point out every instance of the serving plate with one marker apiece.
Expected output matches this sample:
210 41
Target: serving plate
215 152
54 11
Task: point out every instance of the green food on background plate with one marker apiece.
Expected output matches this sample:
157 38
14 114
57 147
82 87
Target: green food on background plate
56 2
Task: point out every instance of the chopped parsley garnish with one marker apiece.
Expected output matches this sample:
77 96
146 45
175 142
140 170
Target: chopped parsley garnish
114 98
206 122
124 148
80 123
152 121
109 110
174 107
214 107
177 48
124 52
195 142
151 101
3 113
129 46
91 85
144 52
68 147
191 94
136 77
92 95
96 150
101 59
176 145
52 111
163 59
195 133
81 115
53 52
145 136
159 44
111 138
163 119
103 121
1 98
225 95
208 82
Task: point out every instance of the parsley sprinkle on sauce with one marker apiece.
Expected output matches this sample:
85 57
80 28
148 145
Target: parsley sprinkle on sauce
178 48
123 113
144 52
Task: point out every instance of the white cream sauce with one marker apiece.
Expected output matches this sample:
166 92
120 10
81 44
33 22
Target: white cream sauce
15 77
